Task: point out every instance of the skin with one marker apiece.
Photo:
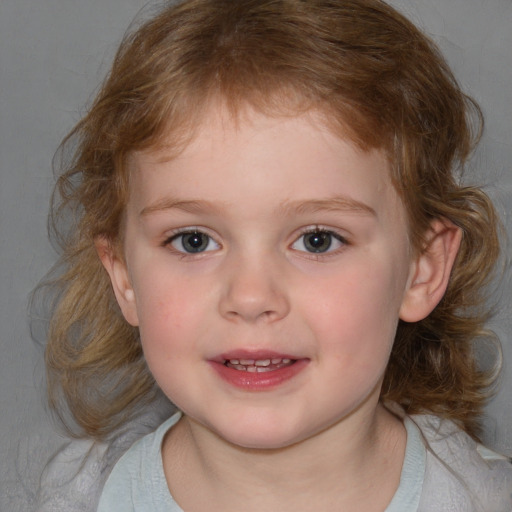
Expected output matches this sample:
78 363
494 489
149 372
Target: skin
255 191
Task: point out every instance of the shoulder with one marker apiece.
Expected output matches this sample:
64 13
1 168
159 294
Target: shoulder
137 479
72 480
459 472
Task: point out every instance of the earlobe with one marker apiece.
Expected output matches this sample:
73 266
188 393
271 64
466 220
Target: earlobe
430 272
119 278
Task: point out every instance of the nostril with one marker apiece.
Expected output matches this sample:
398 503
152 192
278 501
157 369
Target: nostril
252 296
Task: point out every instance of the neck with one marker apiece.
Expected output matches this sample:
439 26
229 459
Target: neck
354 464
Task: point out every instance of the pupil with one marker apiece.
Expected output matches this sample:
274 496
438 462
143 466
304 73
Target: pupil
195 242
318 242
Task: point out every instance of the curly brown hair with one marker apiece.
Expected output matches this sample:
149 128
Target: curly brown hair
375 76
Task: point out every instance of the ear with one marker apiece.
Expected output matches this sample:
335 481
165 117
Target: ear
119 278
430 272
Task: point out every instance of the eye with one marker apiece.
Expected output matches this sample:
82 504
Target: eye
318 241
192 242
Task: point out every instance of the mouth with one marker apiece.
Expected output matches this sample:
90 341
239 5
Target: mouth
258 371
259 365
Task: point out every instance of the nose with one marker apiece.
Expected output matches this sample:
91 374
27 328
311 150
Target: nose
254 291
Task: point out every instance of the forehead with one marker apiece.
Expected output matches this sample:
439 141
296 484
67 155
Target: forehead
273 159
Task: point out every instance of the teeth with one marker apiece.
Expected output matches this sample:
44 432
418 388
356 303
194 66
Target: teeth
258 362
258 365
262 362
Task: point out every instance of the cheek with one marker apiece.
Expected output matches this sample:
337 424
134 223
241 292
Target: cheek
168 310
357 310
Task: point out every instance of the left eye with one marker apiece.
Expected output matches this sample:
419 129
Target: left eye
193 242
318 241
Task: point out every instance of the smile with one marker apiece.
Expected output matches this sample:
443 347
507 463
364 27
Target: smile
260 371
259 365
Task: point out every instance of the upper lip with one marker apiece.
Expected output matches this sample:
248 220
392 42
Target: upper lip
256 355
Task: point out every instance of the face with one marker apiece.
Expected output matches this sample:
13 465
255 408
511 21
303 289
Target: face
266 267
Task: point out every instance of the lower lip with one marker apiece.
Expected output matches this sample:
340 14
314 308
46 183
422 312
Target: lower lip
259 381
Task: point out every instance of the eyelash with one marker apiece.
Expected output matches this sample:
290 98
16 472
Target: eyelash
313 254
168 242
316 255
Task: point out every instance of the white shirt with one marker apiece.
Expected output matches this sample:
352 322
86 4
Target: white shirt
444 470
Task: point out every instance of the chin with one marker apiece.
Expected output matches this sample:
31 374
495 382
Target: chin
259 442
259 436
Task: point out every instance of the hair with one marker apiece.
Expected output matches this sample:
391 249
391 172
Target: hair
375 78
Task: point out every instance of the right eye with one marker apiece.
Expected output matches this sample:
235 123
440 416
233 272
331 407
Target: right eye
192 242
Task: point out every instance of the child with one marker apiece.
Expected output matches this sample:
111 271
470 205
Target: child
270 228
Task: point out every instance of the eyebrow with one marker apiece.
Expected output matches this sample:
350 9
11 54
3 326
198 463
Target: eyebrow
343 204
190 206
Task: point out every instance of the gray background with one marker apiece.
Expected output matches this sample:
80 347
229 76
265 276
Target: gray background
53 54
